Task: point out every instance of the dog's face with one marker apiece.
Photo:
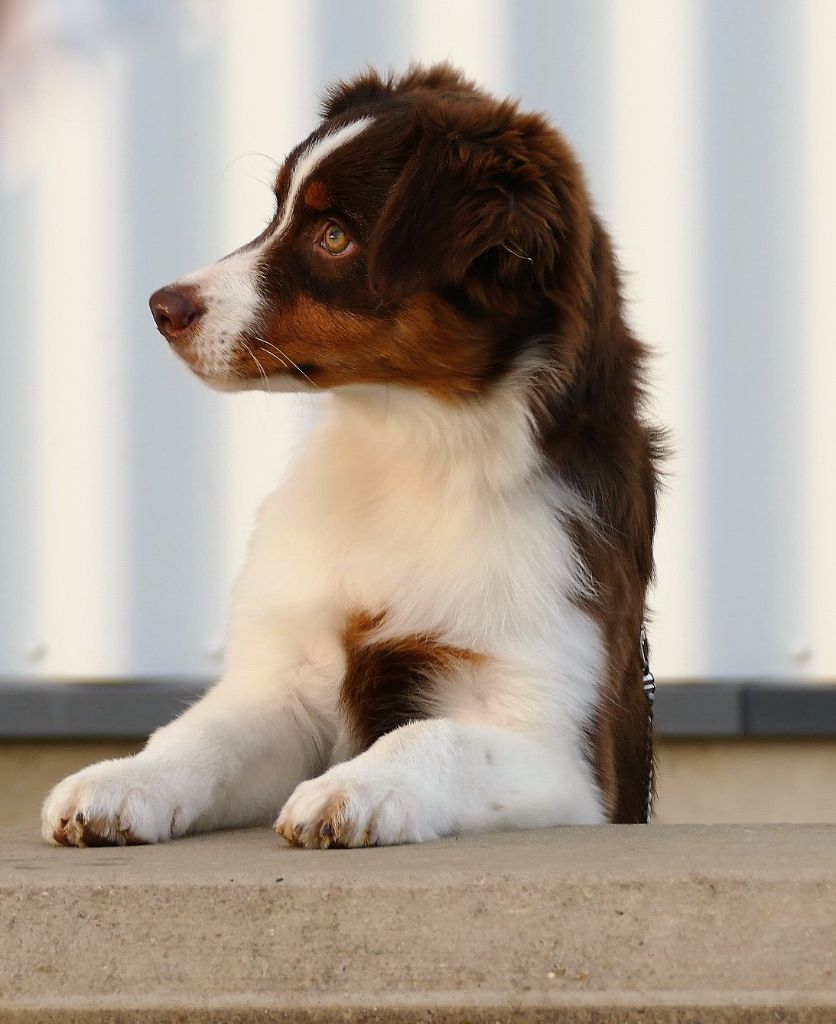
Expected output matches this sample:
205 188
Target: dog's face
417 233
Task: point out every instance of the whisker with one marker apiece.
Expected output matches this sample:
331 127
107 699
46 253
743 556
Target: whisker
272 350
249 153
261 369
295 365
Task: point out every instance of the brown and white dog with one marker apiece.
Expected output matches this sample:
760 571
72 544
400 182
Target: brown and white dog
436 630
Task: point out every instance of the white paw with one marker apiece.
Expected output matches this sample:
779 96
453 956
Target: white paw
112 803
344 807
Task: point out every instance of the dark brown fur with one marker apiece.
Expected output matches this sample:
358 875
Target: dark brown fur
390 682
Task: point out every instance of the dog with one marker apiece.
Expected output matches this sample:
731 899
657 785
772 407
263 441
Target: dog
436 631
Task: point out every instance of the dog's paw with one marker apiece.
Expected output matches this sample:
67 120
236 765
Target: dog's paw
113 803
343 809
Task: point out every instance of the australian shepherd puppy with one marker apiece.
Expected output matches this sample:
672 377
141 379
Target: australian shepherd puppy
437 627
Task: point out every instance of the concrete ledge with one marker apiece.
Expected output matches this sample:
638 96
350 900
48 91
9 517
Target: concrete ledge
616 924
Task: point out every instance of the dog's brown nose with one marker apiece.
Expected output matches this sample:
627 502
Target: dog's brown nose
175 309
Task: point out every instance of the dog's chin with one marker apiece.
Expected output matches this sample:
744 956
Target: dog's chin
222 383
274 382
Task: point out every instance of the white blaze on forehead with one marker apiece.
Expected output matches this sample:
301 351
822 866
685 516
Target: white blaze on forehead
229 289
308 161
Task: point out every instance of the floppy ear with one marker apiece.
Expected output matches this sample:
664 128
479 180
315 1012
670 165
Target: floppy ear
476 199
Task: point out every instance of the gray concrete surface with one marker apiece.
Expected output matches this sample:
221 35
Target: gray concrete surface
630 923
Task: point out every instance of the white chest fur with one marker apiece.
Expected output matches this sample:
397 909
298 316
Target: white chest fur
444 518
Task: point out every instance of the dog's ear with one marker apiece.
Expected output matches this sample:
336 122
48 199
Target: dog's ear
478 198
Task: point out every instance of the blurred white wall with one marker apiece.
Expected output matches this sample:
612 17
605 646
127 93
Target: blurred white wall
136 143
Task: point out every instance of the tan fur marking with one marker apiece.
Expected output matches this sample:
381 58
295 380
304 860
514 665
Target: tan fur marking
329 828
82 832
426 345
316 196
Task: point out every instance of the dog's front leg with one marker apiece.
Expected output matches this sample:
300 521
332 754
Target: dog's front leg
231 759
442 777
224 762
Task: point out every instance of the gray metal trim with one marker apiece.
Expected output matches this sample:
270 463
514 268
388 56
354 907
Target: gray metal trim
772 710
747 708
699 709
59 710
131 709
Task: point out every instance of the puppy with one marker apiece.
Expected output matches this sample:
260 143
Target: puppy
437 627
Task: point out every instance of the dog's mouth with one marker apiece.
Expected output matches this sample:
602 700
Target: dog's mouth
259 361
303 372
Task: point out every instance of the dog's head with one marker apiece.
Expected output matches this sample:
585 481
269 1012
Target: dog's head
423 233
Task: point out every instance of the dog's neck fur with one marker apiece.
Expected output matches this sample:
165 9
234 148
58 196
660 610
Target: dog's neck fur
488 441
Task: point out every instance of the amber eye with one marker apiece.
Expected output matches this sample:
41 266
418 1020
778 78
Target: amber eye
335 240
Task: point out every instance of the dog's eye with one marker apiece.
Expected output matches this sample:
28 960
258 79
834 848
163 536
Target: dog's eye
335 240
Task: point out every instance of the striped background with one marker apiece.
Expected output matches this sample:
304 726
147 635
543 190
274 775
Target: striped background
134 145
